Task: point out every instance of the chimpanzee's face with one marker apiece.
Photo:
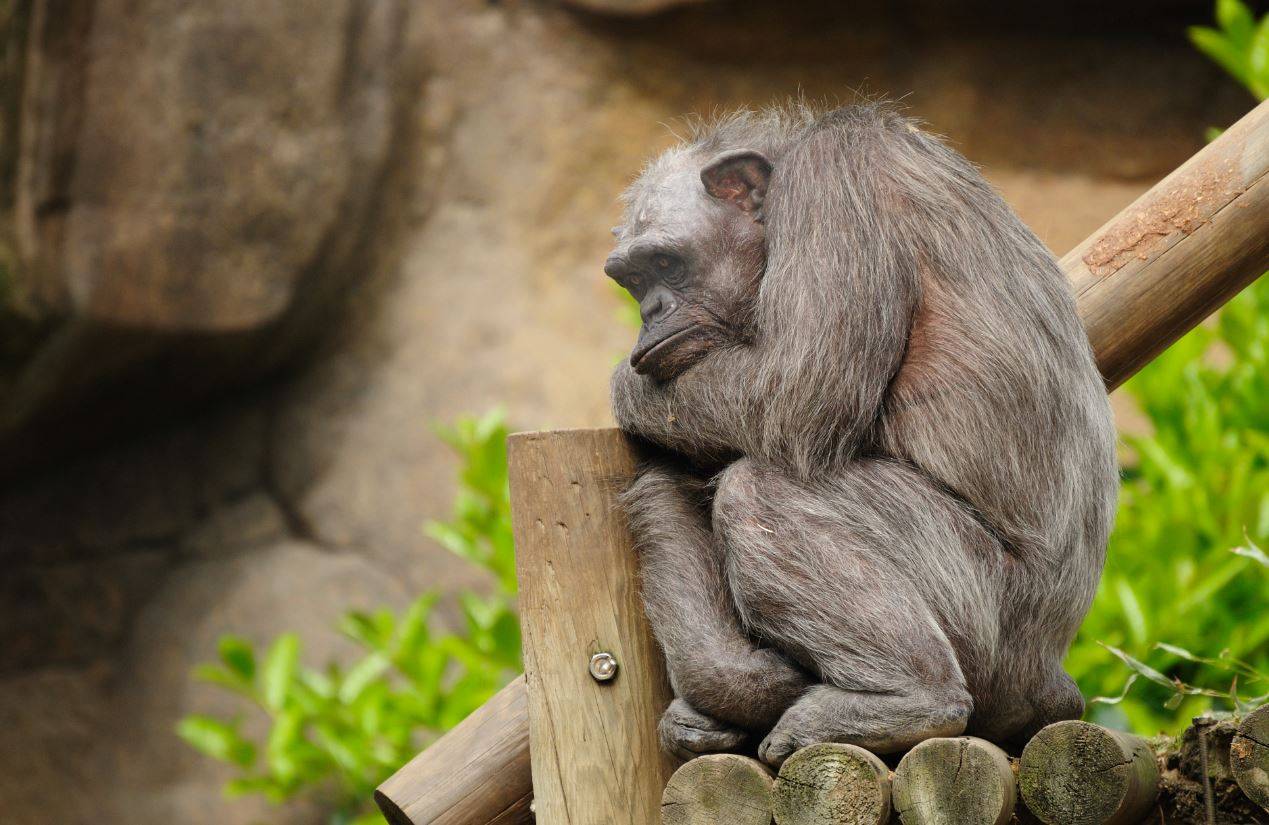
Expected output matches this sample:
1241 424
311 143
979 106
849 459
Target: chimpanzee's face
691 251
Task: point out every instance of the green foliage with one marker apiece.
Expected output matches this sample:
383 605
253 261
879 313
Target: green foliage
1239 44
1185 570
1184 563
336 733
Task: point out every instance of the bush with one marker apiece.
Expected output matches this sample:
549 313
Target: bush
1195 505
1197 492
337 733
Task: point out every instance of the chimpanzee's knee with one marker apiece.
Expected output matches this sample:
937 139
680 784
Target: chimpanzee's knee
749 687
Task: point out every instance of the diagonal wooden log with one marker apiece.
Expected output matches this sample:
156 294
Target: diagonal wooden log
1148 276
1178 252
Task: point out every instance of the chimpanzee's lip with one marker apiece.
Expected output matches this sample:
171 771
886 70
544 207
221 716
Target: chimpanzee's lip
646 351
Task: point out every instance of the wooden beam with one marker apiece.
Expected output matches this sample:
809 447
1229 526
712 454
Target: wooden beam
596 757
832 784
1249 756
1075 772
1178 252
718 788
1141 281
964 780
449 783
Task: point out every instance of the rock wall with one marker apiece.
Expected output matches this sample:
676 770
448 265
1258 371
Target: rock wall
281 240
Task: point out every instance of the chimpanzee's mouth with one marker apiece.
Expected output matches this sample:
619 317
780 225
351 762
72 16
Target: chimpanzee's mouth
643 352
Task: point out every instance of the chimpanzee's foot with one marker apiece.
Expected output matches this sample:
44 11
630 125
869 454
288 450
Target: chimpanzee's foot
881 723
687 733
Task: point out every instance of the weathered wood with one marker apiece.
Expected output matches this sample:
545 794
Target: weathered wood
961 781
1196 782
1178 252
832 784
1249 756
1077 773
718 789
595 756
449 783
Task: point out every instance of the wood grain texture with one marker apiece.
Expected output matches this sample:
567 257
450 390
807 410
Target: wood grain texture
960 781
1176 253
596 758
1249 756
831 784
478 772
719 788
1077 773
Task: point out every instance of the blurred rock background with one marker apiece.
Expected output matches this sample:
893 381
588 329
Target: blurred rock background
251 252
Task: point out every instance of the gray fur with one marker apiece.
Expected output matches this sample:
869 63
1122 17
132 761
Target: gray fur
889 470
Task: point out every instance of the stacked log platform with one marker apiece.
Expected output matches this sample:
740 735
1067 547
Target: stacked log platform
1070 773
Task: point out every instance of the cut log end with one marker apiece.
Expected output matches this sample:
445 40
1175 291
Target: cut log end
1076 773
830 783
718 788
961 781
1249 756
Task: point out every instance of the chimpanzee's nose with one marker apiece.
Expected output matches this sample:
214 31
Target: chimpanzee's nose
657 304
651 307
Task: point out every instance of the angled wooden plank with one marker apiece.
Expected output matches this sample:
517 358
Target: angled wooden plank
595 755
1178 252
448 784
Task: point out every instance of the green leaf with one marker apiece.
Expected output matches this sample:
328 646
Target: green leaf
1123 694
362 627
281 748
1141 667
1258 51
1236 19
279 670
1218 48
247 785
239 656
222 677
1132 610
217 739
1252 552
362 674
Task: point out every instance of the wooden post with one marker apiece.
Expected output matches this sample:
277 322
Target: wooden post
596 758
961 781
832 784
448 783
1077 773
1249 756
718 789
1178 252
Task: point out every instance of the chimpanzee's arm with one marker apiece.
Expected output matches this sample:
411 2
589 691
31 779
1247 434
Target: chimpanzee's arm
713 663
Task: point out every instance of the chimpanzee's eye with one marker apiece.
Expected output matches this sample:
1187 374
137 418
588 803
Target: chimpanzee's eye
668 268
634 280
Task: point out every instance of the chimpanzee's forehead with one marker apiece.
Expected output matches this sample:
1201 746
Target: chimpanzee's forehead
666 196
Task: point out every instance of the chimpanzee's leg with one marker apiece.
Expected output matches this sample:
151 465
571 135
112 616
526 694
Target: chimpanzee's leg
727 685
879 583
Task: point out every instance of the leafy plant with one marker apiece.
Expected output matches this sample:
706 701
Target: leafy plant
1239 44
1197 501
1183 566
336 733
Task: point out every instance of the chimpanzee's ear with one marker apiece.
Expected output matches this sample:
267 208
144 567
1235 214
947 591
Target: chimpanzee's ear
738 177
